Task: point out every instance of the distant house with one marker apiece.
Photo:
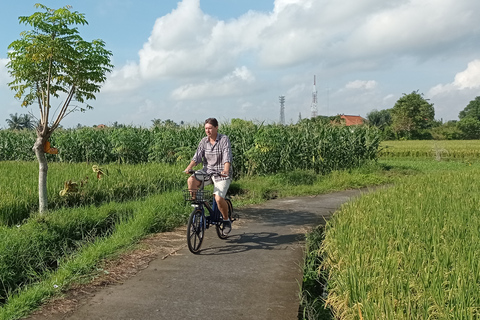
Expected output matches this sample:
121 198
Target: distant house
352 120
100 126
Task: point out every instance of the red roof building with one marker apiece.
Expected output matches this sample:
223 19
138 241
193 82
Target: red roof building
352 120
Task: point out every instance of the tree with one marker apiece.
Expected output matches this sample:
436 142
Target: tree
412 115
15 122
19 122
51 61
380 119
470 128
471 110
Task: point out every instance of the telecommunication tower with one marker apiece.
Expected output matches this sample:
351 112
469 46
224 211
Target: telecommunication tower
282 109
313 108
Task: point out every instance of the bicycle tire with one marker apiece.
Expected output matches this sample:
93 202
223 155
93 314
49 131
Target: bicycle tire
195 230
219 227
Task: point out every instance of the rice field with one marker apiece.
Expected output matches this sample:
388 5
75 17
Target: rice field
77 184
410 251
431 149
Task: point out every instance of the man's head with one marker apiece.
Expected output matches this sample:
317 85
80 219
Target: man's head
211 128
212 121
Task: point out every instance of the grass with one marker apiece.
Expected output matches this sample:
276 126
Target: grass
156 213
410 251
74 253
19 197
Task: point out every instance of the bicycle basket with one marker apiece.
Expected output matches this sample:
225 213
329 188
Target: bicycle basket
197 195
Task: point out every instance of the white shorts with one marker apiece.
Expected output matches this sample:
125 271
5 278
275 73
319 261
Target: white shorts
220 187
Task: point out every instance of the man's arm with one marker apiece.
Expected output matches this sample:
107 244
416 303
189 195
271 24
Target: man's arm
190 166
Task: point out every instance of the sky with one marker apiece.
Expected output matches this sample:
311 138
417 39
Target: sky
194 59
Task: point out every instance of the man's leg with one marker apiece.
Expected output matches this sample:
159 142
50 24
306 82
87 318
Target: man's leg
222 206
193 185
220 191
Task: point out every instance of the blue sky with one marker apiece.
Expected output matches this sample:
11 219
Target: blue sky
193 59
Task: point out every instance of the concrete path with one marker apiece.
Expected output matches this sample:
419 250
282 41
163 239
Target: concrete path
254 274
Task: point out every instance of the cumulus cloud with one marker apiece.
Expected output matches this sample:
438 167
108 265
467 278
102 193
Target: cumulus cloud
236 83
466 79
297 33
360 84
125 79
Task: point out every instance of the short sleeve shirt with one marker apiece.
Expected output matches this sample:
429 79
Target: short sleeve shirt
213 157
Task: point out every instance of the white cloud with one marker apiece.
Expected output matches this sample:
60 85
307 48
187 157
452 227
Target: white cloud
360 84
239 82
466 79
125 79
451 98
469 78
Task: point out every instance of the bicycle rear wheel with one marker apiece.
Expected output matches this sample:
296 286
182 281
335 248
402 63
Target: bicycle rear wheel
195 230
219 227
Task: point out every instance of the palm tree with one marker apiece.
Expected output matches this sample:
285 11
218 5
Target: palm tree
19 122
15 122
27 122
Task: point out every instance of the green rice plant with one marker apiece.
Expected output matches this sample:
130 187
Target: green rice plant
431 149
43 256
407 252
312 292
19 185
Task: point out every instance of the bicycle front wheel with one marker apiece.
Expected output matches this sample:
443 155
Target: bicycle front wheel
195 230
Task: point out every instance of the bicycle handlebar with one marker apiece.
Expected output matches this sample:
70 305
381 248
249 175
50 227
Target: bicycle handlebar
193 171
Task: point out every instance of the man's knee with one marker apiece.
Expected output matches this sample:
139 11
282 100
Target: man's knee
193 182
218 198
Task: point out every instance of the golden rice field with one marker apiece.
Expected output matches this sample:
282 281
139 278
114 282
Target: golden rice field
409 251
436 149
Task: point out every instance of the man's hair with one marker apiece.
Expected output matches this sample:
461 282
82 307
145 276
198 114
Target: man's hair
212 121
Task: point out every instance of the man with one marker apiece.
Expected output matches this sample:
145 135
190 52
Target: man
215 153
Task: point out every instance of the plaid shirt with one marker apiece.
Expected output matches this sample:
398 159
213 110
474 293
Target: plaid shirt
213 157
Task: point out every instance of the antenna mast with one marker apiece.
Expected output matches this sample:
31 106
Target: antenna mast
313 108
282 109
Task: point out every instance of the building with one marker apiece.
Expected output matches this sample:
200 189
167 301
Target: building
352 120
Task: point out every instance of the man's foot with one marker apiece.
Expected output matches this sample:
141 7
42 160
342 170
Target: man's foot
227 227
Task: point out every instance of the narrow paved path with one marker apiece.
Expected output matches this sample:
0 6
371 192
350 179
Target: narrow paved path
254 274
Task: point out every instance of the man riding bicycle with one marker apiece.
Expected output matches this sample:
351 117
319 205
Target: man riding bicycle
215 153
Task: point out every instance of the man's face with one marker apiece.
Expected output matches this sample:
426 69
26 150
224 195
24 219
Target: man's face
210 130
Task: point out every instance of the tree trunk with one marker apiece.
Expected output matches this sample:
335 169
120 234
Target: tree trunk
42 174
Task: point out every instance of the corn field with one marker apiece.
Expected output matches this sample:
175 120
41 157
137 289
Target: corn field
257 148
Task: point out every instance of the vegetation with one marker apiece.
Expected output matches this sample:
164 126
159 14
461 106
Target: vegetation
258 148
50 60
412 118
393 254
73 185
465 150
412 115
20 122
45 254
409 251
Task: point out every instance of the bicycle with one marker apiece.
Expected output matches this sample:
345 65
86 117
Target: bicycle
198 220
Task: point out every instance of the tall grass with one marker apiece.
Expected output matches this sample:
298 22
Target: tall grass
43 256
408 252
19 185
